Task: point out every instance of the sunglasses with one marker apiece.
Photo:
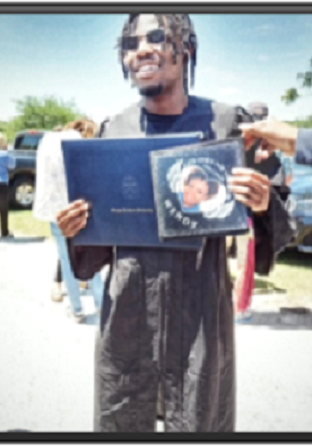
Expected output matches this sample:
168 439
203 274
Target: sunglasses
155 37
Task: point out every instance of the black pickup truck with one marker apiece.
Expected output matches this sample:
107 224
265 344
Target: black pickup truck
22 177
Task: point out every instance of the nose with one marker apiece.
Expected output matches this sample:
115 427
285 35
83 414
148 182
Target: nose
144 47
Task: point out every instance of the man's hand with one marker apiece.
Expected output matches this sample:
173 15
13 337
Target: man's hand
275 135
73 218
251 188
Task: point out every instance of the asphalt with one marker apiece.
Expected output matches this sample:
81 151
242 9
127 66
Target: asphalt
46 366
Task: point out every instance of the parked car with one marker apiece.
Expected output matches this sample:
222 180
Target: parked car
22 177
293 183
299 180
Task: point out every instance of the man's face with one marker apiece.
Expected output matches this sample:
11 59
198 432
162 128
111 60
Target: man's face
151 65
260 114
196 191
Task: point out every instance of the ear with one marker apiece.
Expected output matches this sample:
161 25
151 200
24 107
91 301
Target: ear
125 69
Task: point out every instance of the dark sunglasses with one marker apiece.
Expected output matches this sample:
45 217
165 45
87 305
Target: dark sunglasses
131 43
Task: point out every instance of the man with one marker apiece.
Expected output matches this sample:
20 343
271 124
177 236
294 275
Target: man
278 135
6 162
258 110
167 318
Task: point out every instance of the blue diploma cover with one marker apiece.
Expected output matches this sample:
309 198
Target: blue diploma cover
115 176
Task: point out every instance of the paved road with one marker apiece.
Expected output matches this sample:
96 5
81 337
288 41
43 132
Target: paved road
46 366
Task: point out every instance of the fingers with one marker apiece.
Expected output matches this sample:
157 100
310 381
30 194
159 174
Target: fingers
250 202
250 134
261 155
75 205
250 188
248 195
73 218
73 230
252 131
250 141
279 135
244 174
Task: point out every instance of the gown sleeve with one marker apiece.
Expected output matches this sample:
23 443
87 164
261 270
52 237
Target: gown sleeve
273 229
86 261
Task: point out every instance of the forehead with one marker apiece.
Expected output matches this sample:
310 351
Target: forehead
144 23
198 181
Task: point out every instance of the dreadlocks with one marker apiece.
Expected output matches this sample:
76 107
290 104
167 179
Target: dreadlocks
179 25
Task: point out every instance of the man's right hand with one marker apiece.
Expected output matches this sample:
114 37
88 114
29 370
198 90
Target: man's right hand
73 218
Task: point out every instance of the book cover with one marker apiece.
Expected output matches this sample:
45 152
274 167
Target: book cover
191 190
115 176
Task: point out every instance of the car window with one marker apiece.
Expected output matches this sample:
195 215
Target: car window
27 142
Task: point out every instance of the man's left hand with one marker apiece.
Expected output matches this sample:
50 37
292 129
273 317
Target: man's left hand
251 188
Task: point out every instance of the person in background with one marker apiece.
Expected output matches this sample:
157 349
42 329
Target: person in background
258 110
51 197
6 162
245 245
58 293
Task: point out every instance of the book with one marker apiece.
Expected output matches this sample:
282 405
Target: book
115 176
191 189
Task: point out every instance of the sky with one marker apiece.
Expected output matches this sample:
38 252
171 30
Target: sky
241 58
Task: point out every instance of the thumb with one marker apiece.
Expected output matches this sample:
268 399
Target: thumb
261 155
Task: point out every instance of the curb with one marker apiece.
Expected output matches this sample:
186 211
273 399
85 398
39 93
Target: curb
277 317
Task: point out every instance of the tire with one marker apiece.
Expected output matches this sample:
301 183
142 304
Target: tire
22 192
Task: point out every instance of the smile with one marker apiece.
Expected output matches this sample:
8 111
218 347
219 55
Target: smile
147 70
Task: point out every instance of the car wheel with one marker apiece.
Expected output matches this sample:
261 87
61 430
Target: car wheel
23 192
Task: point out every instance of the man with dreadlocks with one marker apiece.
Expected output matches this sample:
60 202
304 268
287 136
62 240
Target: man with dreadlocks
167 317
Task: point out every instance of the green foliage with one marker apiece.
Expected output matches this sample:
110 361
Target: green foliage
3 126
41 114
306 123
292 94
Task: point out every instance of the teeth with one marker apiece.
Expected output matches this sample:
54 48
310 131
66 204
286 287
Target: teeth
148 68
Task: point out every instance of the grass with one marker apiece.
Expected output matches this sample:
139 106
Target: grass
289 284
23 223
293 273
290 280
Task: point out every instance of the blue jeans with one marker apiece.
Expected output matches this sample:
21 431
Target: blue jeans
72 284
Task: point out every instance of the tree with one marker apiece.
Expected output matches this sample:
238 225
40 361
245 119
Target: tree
41 114
291 95
44 113
3 126
306 123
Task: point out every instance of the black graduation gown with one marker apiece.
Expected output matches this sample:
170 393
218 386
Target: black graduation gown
166 323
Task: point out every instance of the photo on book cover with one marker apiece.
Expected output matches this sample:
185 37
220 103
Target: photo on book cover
192 193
